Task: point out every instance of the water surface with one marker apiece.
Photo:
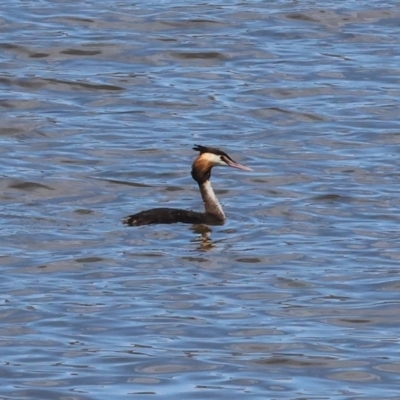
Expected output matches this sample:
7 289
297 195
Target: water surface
296 296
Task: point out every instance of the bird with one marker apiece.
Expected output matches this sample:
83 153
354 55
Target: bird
208 158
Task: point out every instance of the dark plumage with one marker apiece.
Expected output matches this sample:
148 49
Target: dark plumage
170 216
212 150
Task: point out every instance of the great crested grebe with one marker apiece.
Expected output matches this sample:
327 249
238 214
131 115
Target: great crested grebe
201 172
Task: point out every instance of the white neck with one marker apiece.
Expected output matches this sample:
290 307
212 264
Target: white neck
211 203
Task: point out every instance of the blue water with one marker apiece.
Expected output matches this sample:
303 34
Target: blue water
296 296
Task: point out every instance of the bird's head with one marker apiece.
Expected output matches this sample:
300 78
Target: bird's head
211 157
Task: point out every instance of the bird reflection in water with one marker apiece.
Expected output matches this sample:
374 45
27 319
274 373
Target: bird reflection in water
203 237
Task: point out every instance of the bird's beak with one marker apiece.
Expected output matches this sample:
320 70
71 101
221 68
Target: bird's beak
234 164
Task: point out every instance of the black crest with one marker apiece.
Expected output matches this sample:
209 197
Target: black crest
213 150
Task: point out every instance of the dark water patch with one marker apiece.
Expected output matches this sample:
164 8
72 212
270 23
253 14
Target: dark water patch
54 83
209 55
333 198
29 186
89 260
296 116
58 84
9 131
125 183
189 23
301 17
84 211
299 361
72 19
80 52
39 55
249 260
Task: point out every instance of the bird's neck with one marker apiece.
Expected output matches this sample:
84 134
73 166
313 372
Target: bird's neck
211 203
